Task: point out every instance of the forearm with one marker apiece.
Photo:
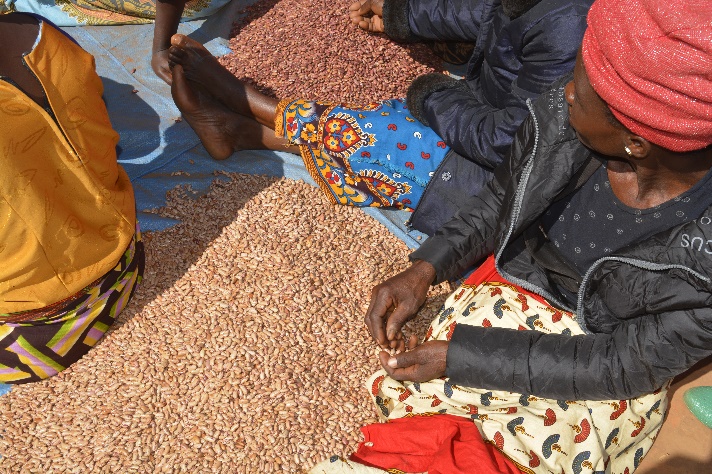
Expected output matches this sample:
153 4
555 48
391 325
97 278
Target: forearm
637 358
168 14
471 234
441 20
465 240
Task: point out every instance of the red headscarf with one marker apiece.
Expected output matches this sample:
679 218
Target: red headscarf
651 62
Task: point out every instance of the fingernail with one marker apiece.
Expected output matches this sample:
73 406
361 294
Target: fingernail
392 363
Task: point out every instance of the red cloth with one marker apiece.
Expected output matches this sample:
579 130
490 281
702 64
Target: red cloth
488 272
651 62
438 444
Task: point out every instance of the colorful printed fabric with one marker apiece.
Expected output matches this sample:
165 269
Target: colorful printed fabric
539 435
376 155
38 344
103 12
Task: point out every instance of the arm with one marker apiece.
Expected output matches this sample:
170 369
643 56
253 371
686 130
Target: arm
168 13
410 21
638 357
468 121
440 20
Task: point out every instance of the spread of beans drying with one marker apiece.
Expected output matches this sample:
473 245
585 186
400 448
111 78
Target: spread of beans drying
243 351
309 49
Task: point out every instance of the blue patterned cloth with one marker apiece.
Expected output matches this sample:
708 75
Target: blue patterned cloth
377 155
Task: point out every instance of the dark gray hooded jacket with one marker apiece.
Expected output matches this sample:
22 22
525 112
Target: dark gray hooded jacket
646 309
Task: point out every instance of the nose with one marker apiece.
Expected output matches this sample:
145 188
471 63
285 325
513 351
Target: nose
569 92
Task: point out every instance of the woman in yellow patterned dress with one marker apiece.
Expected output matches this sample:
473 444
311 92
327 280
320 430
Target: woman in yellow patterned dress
69 243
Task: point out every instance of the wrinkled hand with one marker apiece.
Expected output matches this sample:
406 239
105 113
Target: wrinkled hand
367 14
160 65
420 364
395 301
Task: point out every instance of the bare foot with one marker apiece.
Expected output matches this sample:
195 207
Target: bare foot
204 114
221 130
200 65
202 68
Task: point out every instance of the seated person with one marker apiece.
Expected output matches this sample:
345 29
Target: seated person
596 232
69 243
379 154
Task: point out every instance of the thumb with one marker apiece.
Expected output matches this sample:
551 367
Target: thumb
376 24
365 8
404 359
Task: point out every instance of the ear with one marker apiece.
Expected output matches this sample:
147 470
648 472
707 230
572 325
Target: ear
639 147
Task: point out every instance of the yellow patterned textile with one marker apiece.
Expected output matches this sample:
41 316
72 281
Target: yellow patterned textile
5 7
67 210
105 12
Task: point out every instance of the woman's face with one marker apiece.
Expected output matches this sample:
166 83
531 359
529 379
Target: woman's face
588 115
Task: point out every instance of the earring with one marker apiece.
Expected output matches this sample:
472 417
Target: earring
627 151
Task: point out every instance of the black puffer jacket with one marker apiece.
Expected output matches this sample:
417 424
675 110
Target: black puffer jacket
646 309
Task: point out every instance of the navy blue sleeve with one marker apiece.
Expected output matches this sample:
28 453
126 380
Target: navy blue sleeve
469 123
440 20
471 126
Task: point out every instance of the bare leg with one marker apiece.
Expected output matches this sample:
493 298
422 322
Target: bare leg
221 130
201 67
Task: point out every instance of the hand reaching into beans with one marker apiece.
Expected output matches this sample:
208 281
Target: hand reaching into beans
419 364
367 14
395 301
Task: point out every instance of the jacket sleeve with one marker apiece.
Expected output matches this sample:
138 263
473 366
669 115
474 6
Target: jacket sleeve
440 20
468 121
638 357
470 235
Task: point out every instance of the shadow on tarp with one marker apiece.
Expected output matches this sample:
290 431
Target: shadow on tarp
157 151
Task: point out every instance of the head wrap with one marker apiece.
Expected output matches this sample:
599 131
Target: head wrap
651 62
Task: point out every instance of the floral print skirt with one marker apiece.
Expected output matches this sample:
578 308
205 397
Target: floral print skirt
376 155
540 435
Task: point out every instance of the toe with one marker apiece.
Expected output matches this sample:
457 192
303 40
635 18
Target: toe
193 44
178 40
176 54
183 95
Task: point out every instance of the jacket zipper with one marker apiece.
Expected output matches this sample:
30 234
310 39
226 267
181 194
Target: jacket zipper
578 311
518 199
